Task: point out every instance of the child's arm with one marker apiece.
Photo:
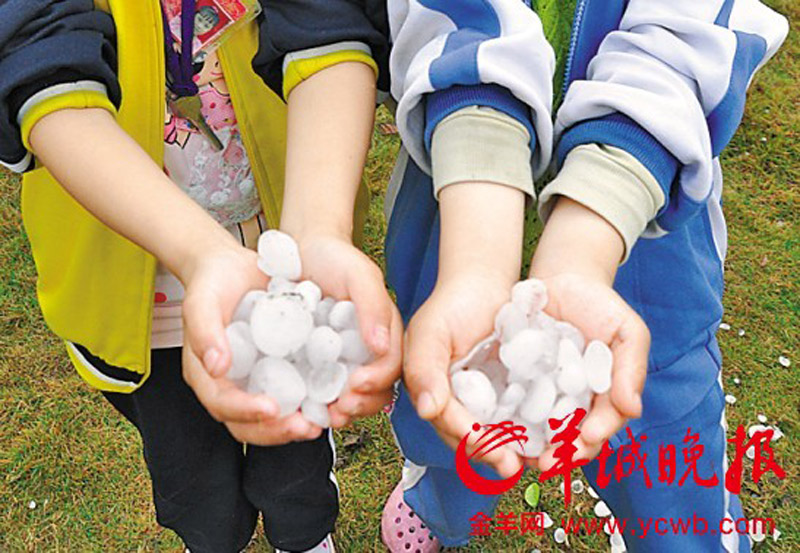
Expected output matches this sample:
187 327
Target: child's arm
479 261
323 56
481 126
107 172
113 178
445 58
60 55
331 117
299 38
577 258
639 135
669 87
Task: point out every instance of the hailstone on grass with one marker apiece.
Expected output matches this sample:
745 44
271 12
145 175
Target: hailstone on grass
291 343
601 509
532 370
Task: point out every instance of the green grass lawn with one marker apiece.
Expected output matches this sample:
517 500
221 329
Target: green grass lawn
64 448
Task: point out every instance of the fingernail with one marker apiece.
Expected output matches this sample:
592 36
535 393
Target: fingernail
268 408
426 405
210 360
380 339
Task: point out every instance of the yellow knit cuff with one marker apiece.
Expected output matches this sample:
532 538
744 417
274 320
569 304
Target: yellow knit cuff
301 69
79 99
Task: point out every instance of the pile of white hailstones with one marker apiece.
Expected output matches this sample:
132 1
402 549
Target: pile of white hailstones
531 369
289 342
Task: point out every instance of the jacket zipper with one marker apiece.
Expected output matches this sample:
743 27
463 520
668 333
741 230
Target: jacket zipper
580 9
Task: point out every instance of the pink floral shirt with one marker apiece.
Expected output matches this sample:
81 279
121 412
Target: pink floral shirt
220 181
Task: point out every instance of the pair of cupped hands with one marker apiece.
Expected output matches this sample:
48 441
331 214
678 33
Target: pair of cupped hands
459 313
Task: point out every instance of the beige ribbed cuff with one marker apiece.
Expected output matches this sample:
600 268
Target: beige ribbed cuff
481 144
610 182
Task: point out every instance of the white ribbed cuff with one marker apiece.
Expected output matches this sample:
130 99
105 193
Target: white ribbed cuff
612 183
481 144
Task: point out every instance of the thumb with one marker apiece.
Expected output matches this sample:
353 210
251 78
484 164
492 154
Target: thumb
631 349
373 309
205 334
426 370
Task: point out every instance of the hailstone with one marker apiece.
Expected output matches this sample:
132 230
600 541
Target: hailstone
326 383
475 392
243 350
343 316
315 412
279 380
280 325
324 346
279 255
532 370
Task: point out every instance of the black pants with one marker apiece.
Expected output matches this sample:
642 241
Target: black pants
207 489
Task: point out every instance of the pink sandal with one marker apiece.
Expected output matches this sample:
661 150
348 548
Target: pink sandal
402 530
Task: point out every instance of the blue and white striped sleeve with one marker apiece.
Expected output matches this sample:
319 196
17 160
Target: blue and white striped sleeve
669 87
448 56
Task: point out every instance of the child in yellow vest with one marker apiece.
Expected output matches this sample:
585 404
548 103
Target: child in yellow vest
142 217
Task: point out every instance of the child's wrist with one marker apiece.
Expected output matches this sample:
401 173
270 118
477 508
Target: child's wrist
186 260
495 272
315 230
578 240
481 232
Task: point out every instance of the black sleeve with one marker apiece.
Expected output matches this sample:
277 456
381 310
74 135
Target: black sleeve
44 43
288 26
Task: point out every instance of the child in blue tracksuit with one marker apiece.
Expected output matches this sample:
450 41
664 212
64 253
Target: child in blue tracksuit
634 240
653 93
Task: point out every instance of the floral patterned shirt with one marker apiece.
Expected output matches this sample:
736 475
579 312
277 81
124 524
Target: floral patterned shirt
220 181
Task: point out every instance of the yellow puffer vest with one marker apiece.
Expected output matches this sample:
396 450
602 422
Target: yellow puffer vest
95 287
